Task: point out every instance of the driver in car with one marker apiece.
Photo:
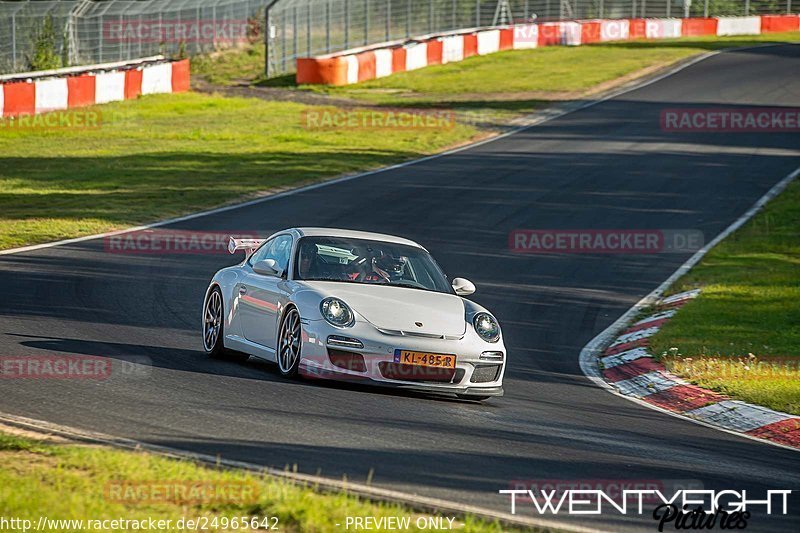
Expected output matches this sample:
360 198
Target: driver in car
380 268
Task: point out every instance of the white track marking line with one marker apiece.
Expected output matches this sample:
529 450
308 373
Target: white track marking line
588 357
622 358
737 415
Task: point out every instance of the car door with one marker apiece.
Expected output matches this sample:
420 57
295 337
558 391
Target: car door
260 295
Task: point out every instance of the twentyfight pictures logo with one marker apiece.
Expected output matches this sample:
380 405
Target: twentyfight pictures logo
682 509
166 242
754 119
608 241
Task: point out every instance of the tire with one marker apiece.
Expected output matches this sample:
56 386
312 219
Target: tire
290 343
473 397
214 329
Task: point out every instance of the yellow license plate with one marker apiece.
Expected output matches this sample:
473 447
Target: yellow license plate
440 360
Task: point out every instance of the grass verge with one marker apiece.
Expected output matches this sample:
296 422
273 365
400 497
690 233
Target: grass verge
78 482
167 155
741 336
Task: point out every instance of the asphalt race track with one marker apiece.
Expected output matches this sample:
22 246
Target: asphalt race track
609 166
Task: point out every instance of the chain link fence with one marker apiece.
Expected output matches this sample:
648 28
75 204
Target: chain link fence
37 34
302 28
83 32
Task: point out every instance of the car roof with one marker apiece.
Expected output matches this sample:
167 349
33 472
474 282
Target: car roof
353 234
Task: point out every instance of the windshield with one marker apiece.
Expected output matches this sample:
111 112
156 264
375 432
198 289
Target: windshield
368 262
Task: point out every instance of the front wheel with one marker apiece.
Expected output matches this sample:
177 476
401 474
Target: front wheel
214 329
290 342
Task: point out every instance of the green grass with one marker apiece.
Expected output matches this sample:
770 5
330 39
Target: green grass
750 304
554 69
240 65
166 155
68 481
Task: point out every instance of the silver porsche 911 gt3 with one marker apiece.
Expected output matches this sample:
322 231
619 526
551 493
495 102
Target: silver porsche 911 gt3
353 305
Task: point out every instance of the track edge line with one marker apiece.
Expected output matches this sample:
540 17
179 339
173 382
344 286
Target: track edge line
588 358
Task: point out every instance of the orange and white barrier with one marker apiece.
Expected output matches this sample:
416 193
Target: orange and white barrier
779 23
488 42
559 33
615 30
417 56
352 66
452 48
525 36
383 63
738 26
50 95
71 88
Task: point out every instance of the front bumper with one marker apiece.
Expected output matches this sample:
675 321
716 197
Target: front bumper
474 374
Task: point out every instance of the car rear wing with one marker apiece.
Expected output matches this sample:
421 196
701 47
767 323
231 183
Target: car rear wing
248 245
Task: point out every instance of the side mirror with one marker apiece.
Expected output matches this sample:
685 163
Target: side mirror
463 287
267 267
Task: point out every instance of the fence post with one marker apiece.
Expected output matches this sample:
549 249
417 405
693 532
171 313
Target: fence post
477 13
366 22
705 9
346 24
328 26
388 31
308 29
14 41
746 7
669 8
453 23
266 40
408 19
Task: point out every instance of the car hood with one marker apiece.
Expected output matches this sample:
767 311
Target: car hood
400 308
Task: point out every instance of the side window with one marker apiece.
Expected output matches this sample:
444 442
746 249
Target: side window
261 252
278 249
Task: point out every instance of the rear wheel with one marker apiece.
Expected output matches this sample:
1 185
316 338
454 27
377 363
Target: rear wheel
214 329
290 343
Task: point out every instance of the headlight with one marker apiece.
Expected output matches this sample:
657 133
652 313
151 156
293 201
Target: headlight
486 327
337 313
